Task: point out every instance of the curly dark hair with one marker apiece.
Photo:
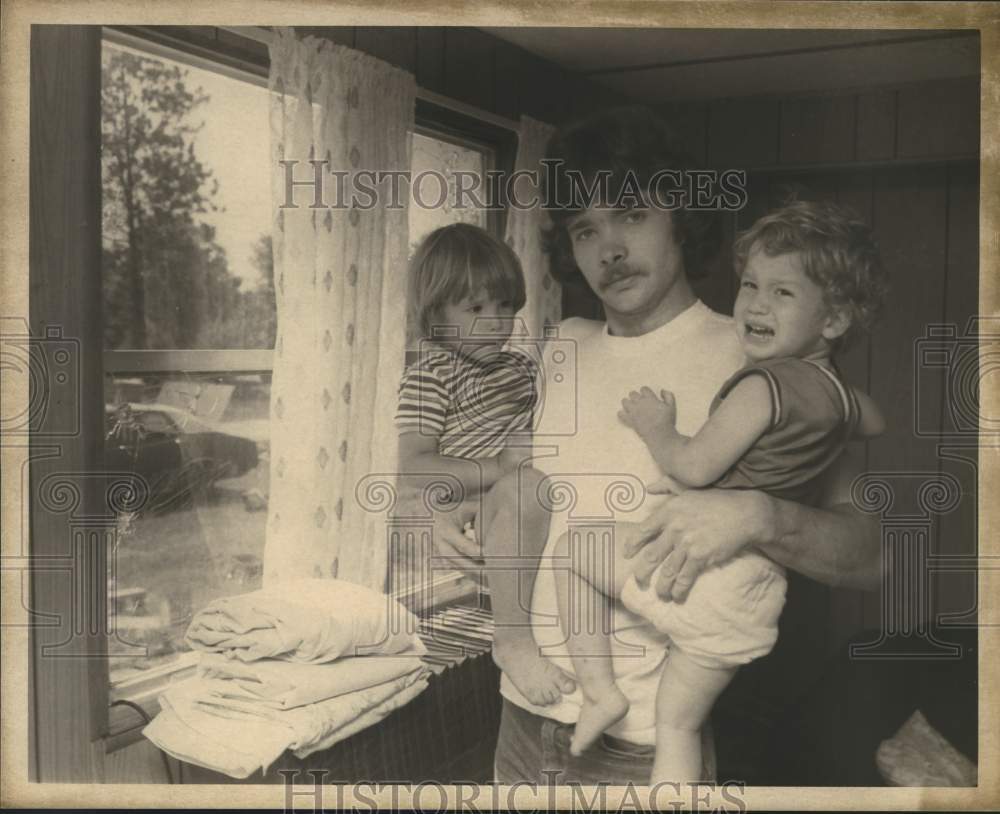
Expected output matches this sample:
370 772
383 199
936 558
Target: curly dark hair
622 141
838 253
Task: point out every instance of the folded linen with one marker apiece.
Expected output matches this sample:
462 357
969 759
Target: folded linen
304 620
238 742
278 684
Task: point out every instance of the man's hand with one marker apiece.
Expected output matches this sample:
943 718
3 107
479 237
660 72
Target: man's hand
695 530
647 413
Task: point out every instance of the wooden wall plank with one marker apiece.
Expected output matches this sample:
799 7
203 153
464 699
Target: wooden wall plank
910 220
956 593
690 122
810 186
507 80
817 130
876 136
536 91
396 45
847 607
430 71
743 133
939 119
468 65
68 664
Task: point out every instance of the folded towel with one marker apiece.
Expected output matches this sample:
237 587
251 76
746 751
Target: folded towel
305 620
280 684
238 742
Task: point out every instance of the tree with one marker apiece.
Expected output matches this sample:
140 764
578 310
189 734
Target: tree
154 186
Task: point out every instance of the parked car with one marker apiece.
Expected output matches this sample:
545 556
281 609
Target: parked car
178 455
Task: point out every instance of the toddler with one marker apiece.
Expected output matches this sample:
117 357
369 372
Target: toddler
465 410
810 280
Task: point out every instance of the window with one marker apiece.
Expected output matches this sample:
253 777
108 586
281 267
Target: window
189 327
189 323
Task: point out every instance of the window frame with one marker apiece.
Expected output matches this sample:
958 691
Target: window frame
437 117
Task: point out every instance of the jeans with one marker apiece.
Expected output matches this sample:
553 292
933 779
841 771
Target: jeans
534 749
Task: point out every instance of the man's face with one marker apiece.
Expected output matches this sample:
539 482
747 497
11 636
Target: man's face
629 257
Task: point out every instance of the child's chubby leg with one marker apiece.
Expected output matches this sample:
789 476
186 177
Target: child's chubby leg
597 570
684 699
514 526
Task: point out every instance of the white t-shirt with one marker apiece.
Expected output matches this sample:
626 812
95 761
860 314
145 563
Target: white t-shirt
582 442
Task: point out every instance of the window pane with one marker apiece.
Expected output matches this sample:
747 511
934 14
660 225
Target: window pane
200 443
187 206
444 159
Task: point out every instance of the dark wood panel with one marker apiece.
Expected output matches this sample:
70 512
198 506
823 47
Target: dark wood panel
812 186
690 123
957 530
847 606
910 220
543 96
468 63
743 133
939 119
396 45
252 51
69 669
876 126
759 201
817 130
507 80
430 59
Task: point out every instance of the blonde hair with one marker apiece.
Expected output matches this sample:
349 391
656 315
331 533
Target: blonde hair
457 261
838 254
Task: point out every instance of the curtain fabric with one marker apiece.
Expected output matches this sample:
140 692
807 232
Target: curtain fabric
524 226
340 285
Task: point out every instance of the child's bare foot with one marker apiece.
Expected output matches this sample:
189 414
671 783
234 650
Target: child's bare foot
540 681
596 715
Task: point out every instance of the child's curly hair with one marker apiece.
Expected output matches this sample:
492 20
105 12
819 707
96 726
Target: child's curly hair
838 253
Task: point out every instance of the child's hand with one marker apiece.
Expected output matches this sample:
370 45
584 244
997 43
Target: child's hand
647 413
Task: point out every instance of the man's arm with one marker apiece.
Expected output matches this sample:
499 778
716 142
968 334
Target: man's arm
835 544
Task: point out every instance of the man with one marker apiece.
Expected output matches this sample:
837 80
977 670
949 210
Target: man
638 259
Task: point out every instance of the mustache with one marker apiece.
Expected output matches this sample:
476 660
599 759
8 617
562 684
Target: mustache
618 272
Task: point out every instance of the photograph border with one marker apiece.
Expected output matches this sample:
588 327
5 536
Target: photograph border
19 15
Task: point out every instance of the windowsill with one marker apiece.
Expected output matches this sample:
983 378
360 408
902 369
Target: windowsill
125 725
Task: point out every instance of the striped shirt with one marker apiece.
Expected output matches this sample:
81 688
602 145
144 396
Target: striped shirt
471 408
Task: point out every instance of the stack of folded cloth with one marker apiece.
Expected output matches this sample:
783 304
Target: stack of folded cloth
299 665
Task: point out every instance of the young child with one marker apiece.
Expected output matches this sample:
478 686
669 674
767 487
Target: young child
810 280
465 410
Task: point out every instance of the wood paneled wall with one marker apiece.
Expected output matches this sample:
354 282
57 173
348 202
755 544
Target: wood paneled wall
907 161
465 64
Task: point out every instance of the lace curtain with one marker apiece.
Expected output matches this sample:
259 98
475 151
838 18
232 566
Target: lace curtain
544 303
340 283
